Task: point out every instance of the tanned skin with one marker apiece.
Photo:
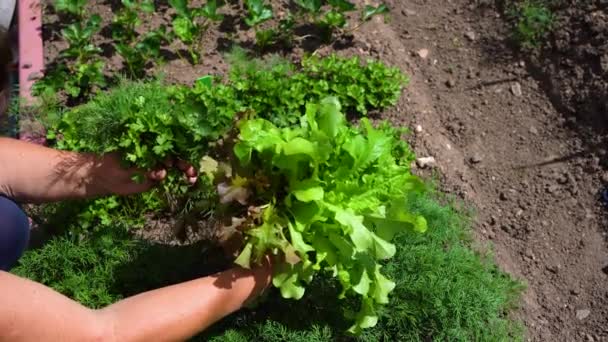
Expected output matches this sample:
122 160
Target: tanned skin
30 311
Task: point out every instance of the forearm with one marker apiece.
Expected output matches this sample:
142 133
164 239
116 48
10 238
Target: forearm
178 312
173 313
33 173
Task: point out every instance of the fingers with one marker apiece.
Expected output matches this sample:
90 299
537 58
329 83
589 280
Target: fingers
188 170
160 174
157 175
263 273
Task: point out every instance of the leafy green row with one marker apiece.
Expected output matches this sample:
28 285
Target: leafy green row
150 121
80 71
278 90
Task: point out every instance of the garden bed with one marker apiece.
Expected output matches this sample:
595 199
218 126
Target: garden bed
422 306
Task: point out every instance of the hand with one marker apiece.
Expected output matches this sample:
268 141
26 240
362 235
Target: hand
262 275
119 181
263 272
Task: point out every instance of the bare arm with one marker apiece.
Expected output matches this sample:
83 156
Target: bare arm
172 313
33 173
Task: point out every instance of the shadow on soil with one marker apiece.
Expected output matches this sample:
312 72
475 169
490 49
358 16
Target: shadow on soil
159 265
568 67
571 69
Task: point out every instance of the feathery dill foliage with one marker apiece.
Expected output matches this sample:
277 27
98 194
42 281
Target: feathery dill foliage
99 125
112 264
445 291
82 270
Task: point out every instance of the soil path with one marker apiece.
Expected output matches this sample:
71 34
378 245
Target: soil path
499 143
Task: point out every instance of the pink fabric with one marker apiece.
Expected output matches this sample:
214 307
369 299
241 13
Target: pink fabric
31 61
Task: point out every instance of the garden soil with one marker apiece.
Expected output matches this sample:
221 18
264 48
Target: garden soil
517 136
500 143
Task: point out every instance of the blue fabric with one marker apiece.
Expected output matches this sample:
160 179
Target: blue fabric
14 233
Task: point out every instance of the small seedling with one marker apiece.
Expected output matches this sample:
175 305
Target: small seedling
83 77
79 36
270 36
257 12
188 27
533 21
370 11
127 19
72 7
78 78
145 50
137 50
332 18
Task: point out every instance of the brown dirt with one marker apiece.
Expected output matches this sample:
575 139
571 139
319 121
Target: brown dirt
573 63
499 142
513 156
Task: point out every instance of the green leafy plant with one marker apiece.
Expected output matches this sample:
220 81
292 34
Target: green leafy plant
127 19
137 50
87 69
257 12
149 121
72 7
140 120
325 197
311 6
278 91
77 81
142 51
330 16
188 27
53 80
447 289
84 77
329 20
84 71
283 33
532 21
370 11
79 37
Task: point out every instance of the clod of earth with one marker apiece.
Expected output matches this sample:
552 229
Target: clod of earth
476 158
582 314
423 53
470 35
533 130
516 89
425 162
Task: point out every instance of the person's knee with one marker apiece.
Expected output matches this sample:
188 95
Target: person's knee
14 233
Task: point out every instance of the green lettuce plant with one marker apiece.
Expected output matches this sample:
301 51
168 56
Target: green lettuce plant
323 196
